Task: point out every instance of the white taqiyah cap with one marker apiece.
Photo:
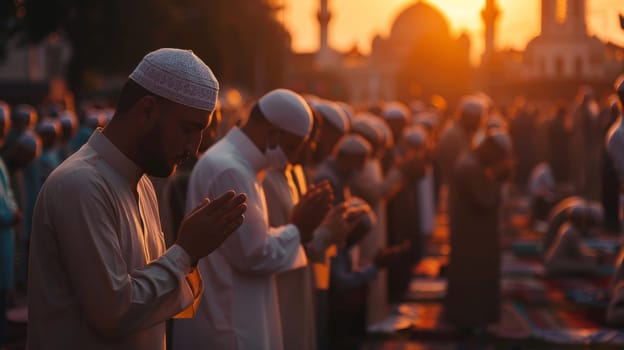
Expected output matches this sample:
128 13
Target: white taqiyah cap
498 135
384 130
333 114
354 145
472 105
364 126
287 110
395 110
348 110
415 136
179 76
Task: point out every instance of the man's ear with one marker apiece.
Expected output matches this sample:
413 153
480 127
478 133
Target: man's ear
147 109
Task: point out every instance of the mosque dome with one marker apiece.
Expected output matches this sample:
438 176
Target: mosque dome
418 20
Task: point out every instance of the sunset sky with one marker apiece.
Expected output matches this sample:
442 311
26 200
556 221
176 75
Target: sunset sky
358 21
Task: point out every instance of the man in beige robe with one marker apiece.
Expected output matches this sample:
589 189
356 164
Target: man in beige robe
100 277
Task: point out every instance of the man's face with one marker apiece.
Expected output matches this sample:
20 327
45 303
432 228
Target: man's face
327 140
174 136
310 146
291 144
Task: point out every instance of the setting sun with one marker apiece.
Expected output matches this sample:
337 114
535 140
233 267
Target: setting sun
356 22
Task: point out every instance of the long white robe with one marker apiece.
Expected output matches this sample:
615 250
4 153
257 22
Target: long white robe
370 185
240 308
295 287
99 274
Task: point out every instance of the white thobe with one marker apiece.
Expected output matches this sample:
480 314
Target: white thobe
99 275
295 287
370 185
240 309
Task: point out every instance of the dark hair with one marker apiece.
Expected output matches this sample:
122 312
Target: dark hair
130 94
256 115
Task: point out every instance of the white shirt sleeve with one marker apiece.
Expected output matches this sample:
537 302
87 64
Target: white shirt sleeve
115 301
255 248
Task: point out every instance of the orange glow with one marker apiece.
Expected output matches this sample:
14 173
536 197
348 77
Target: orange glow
358 21
561 11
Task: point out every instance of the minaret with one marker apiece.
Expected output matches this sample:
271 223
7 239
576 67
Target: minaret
490 15
577 12
323 17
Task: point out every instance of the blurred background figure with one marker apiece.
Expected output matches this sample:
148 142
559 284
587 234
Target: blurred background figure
474 205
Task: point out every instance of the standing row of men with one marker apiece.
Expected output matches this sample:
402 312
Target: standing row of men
252 263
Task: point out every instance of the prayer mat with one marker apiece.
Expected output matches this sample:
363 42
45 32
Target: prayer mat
426 289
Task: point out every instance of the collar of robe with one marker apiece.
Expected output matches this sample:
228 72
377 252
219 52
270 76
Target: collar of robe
115 158
248 150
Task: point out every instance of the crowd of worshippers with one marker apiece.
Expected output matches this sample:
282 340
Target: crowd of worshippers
316 210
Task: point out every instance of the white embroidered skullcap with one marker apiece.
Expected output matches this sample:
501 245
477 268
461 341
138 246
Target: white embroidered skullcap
179 76
395 110
415 136
332 113
348 110
353 144
287 110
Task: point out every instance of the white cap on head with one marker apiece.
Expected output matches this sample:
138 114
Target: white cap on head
415 136
179 76
386 134
365 126
395 110
472 105
353 144
498 135
287 110
332 113
348 110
